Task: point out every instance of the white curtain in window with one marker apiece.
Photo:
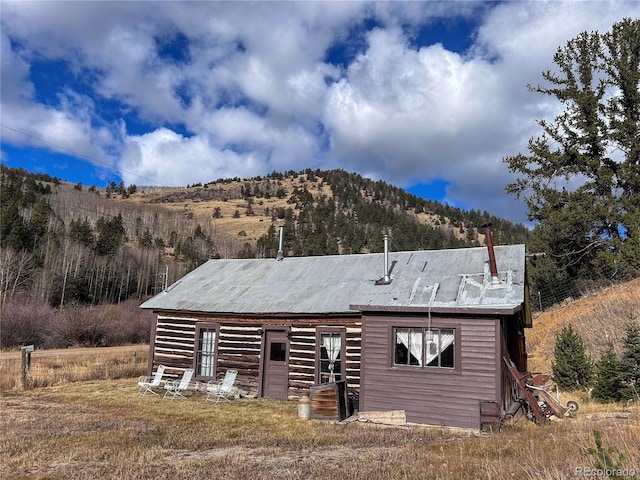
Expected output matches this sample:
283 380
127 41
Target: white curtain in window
435 338
332 343
412 339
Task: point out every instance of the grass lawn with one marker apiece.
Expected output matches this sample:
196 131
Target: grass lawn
104 430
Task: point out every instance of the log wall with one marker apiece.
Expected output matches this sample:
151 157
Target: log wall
239 346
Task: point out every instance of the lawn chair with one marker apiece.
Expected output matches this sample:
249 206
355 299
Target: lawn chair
177 388
223 390
147 384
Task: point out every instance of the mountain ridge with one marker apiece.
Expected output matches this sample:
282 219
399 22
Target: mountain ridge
91 245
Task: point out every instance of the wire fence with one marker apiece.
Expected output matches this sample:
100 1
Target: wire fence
43 368
549 295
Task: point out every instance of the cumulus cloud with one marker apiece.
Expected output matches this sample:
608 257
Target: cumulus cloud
200 90
67 126
409 113
164 157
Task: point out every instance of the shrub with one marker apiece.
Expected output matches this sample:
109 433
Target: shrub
23 322
26 322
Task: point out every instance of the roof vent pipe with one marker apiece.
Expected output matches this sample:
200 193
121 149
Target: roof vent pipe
386 278
280 254
493 268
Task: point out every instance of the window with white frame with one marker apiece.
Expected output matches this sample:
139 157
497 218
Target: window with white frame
205 353
428 347
330 351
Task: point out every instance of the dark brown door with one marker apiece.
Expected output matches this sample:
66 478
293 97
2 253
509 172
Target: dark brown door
275 370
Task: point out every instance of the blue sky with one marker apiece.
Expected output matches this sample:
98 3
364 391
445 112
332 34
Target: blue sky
429 96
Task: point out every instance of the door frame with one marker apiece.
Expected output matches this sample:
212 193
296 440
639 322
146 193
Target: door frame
263 351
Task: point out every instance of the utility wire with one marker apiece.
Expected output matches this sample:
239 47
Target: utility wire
78 154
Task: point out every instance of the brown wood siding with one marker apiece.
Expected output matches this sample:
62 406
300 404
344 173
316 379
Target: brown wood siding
239 345
173 346
430 395
239 349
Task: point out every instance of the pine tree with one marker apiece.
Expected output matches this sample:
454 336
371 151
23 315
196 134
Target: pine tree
572 368
607 379
630 363
586 201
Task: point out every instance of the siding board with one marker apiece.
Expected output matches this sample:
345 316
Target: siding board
430 395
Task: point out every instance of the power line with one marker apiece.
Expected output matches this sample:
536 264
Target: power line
79 155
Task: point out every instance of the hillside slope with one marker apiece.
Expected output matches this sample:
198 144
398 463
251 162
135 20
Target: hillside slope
67 243
599 318
246 208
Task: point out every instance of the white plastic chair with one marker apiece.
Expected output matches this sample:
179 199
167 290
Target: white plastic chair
177 388
223 390
147 384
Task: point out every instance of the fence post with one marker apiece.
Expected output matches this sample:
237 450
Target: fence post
540 300
26 363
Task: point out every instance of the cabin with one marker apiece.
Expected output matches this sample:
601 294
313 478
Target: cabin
419 331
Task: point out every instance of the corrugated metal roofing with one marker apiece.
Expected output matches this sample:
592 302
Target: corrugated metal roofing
436 279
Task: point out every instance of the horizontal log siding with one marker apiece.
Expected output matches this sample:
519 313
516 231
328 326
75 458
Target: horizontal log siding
173 346
302 357
239 349
431 396
302 364
239 346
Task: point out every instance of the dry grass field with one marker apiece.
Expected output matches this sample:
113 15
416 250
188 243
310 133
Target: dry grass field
64 366
599 318
104 430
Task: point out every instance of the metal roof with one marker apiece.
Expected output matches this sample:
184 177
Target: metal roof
433 279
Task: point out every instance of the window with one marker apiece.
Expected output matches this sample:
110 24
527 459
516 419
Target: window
278 352
408 349
329 354
205 355
433 347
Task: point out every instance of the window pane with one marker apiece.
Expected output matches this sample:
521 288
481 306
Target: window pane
401 350
330 353
278 352
447 348
337 370
415 346
408 346
440 347
431 345
206 353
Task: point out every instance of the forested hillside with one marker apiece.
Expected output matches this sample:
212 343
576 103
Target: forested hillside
69 244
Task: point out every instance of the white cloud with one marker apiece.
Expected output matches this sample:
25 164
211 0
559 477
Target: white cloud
254 91
164 157
63 128
412 114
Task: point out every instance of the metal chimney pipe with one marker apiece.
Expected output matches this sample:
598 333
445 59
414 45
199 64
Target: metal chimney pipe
493 267
386 259
280 254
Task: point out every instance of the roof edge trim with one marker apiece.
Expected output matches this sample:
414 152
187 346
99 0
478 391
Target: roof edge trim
507 310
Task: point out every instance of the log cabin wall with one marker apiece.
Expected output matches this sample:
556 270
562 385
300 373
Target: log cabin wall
302 357
173 345
239 345
239 349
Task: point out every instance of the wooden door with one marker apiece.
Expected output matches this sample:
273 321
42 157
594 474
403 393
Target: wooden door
275 368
